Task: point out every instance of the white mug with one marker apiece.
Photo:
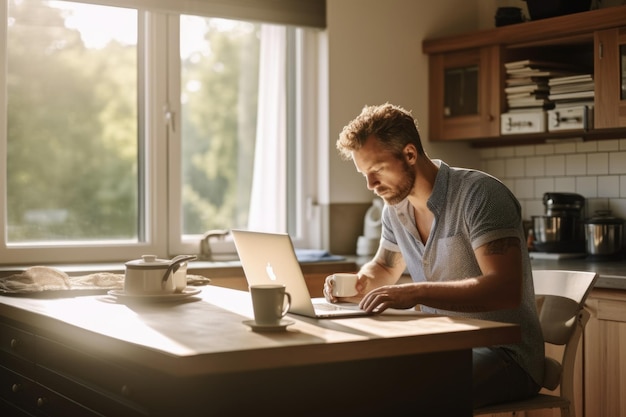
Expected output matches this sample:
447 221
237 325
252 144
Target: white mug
270 303
344 285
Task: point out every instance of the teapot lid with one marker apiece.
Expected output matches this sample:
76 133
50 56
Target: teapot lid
148 262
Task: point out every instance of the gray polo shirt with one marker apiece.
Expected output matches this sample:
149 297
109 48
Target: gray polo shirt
471 208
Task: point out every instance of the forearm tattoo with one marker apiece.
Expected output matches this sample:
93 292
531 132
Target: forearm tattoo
389 258
501 246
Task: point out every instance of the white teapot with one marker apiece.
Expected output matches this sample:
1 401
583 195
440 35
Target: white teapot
150 275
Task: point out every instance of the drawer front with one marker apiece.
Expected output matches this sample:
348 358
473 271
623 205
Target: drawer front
97 383
17 349
35 399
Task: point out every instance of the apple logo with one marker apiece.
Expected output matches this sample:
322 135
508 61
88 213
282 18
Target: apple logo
270 271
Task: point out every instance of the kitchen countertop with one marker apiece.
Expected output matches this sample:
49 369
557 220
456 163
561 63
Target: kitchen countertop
612 273
206 268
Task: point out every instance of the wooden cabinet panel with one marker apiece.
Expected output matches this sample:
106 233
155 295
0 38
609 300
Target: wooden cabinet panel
605 355
610 80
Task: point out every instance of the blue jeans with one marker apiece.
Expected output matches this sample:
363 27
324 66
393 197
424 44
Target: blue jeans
498 378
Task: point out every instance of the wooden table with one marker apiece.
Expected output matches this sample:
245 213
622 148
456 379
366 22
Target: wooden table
196 357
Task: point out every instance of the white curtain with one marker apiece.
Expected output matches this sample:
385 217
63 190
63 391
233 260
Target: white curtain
268 209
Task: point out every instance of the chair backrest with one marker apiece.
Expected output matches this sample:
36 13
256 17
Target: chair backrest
560 299
560 296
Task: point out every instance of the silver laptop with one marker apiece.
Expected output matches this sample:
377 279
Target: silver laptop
270 258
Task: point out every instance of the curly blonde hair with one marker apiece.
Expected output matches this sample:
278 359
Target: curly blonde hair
392 125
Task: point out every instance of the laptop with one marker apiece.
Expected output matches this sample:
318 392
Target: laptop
270 258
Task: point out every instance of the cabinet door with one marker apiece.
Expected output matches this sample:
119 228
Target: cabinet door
610 78
605 355
465 93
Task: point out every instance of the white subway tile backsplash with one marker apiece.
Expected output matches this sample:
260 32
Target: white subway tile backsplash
585 147
525 150
515 168
617 163
608 186
565 184
524 188
597 163
576 164
566 147
535 166
587 186
544 149
505 152
486 153
608 145
594 169
555 165
542 186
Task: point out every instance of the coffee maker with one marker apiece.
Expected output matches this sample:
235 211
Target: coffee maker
561 229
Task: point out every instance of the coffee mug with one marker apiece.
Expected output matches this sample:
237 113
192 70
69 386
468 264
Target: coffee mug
270 303
344 285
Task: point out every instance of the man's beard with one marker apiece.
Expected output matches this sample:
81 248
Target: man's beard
403 190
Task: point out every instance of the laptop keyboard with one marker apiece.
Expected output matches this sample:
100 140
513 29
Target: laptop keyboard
333 307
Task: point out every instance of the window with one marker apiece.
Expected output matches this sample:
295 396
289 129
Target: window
128 131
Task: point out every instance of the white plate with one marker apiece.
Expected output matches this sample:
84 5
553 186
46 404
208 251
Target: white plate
282 326
187 292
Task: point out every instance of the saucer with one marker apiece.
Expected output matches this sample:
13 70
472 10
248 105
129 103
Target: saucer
187 292
280 327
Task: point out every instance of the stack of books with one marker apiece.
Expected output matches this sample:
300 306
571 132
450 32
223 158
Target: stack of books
570 91
528 83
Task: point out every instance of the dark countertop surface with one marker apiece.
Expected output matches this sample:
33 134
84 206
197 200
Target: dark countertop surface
612 272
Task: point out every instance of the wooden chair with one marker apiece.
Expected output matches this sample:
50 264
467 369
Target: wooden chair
560 299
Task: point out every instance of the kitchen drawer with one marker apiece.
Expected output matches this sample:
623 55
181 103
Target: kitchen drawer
27 395
17 349
10 409
100 384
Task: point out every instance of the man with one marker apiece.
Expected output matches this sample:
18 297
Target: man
459 234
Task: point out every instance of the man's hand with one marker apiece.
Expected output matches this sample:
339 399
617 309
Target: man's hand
401 296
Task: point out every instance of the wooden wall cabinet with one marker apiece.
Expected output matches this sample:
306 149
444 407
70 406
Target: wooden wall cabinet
465 94
594 40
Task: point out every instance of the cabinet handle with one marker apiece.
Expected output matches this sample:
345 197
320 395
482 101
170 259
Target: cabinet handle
600 50
17 387
15 344
126 391
42 402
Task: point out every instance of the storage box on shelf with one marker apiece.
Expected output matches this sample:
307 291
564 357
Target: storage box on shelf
570 118
527 122
593 41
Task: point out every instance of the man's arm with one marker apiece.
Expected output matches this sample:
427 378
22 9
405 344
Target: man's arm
385 268
499 286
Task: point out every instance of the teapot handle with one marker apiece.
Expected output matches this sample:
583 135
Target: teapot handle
176 262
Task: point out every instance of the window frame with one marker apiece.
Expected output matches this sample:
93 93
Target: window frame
159 87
